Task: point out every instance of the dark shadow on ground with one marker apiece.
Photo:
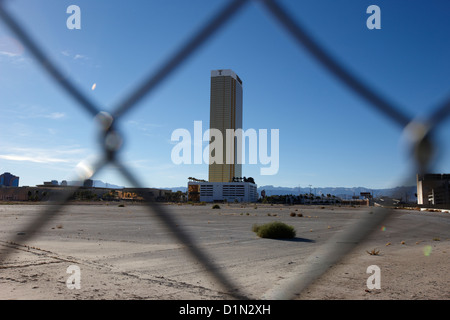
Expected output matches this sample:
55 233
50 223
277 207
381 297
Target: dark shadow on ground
296 239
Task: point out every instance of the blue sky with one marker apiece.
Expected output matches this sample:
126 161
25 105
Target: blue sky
328 135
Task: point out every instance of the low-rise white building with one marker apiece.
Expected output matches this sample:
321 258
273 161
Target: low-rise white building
222 191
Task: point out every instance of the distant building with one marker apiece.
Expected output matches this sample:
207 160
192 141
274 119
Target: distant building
27 193
226 113
9 180
433 189
88 183
141 194
53 183
51 191
220 191
224 179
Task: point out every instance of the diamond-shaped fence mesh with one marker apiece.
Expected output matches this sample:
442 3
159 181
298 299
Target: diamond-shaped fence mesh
333 250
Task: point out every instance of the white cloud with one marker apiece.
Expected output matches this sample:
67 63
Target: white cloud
76 56
36 159
63 154
55 115
79 56
9 54
10 47
13 57
34 111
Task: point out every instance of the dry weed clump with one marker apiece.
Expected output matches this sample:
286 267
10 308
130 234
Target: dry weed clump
274 230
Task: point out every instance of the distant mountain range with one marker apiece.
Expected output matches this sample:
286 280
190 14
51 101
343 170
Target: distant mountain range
406 193
96 183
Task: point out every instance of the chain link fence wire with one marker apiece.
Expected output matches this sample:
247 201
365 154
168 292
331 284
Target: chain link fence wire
422 145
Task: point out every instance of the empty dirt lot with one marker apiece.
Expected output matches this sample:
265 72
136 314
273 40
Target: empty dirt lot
126 253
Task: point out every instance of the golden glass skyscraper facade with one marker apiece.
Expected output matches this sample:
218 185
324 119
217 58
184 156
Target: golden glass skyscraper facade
226 113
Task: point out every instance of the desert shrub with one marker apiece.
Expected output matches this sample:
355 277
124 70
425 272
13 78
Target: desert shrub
274 230
216 206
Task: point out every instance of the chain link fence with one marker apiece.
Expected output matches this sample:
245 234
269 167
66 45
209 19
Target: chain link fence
333 250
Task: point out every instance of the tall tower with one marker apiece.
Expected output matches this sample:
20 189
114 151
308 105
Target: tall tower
226 113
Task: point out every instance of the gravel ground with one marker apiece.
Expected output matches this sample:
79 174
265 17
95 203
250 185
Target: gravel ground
126 253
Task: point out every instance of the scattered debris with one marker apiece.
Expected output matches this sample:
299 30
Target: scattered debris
374 252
